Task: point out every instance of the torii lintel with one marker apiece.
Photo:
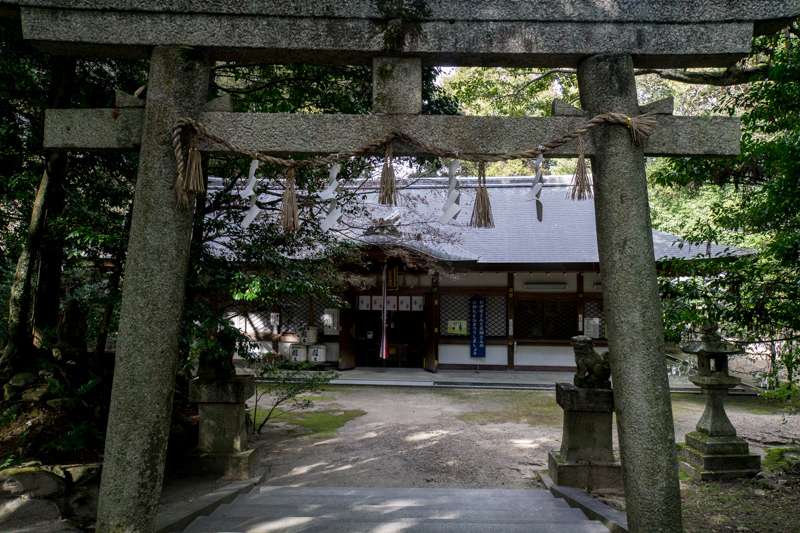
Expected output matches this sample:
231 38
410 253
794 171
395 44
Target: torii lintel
544 33
322 135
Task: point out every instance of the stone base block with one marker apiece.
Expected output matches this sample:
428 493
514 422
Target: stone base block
572 398
242 465
584 475
706 467
717 475
717 445
236 390
744 461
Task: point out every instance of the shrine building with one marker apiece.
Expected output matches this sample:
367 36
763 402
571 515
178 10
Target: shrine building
537 283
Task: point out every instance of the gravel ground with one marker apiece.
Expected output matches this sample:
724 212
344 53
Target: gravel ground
467 438
411 437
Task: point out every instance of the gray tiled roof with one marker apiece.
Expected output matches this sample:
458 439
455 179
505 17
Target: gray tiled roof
566 236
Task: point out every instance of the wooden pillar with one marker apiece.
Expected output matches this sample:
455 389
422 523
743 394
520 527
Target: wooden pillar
152 302
581 303
510 323
431 361
632 304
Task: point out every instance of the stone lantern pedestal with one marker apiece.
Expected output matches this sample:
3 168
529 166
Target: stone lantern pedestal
222 448
713 451
586 458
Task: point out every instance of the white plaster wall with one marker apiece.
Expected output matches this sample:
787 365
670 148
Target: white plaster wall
544 356
476 279
570 278
589 280
408 281
458 354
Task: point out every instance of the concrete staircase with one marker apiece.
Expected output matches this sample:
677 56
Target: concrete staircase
357 510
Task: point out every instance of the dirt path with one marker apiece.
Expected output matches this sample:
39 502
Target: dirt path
412 437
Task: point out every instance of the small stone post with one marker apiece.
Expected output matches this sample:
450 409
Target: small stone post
222 448
152 302
586 459
631 301
397 85
714 451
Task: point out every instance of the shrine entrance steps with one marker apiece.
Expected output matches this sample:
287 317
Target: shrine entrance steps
390 510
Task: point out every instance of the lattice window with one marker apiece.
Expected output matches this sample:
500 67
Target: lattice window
294 313
456 307
594 309
545 319
249 319
318 308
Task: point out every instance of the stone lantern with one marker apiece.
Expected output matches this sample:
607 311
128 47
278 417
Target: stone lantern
714 451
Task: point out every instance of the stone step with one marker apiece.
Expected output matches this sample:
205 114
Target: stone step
311 525
486 503
359 509
338 511
407 497
382 492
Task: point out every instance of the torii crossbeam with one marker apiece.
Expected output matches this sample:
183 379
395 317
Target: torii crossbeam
604 39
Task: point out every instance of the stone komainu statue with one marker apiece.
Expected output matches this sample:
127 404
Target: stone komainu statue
594 369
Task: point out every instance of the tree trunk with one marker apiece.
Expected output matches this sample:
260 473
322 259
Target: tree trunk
51 249
16 356
17 351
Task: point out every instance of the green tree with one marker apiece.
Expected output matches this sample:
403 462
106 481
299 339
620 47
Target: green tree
79 191
756 205
260 265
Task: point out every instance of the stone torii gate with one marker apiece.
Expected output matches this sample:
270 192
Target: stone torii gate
603 39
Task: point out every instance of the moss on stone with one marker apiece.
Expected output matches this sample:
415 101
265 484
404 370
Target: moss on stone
400 19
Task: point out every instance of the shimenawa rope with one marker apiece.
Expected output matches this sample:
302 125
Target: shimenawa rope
641 127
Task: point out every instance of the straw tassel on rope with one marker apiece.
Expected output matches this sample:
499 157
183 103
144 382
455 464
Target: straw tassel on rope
388 191
194 168
581 188
641 127
180 192
289 220
482 212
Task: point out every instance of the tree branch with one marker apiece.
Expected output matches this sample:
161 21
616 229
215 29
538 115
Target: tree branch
534 80
265 85
735 75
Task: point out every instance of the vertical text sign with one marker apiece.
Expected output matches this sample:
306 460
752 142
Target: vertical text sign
477 326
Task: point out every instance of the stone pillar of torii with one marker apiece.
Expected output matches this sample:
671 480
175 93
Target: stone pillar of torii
604 39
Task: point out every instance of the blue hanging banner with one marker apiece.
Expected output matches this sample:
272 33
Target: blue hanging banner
477 326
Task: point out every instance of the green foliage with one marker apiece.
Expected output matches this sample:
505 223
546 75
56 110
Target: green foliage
786 459
282 383
12 413
510 91
80 437
88 207
485 91
256 268
783 391
750 201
